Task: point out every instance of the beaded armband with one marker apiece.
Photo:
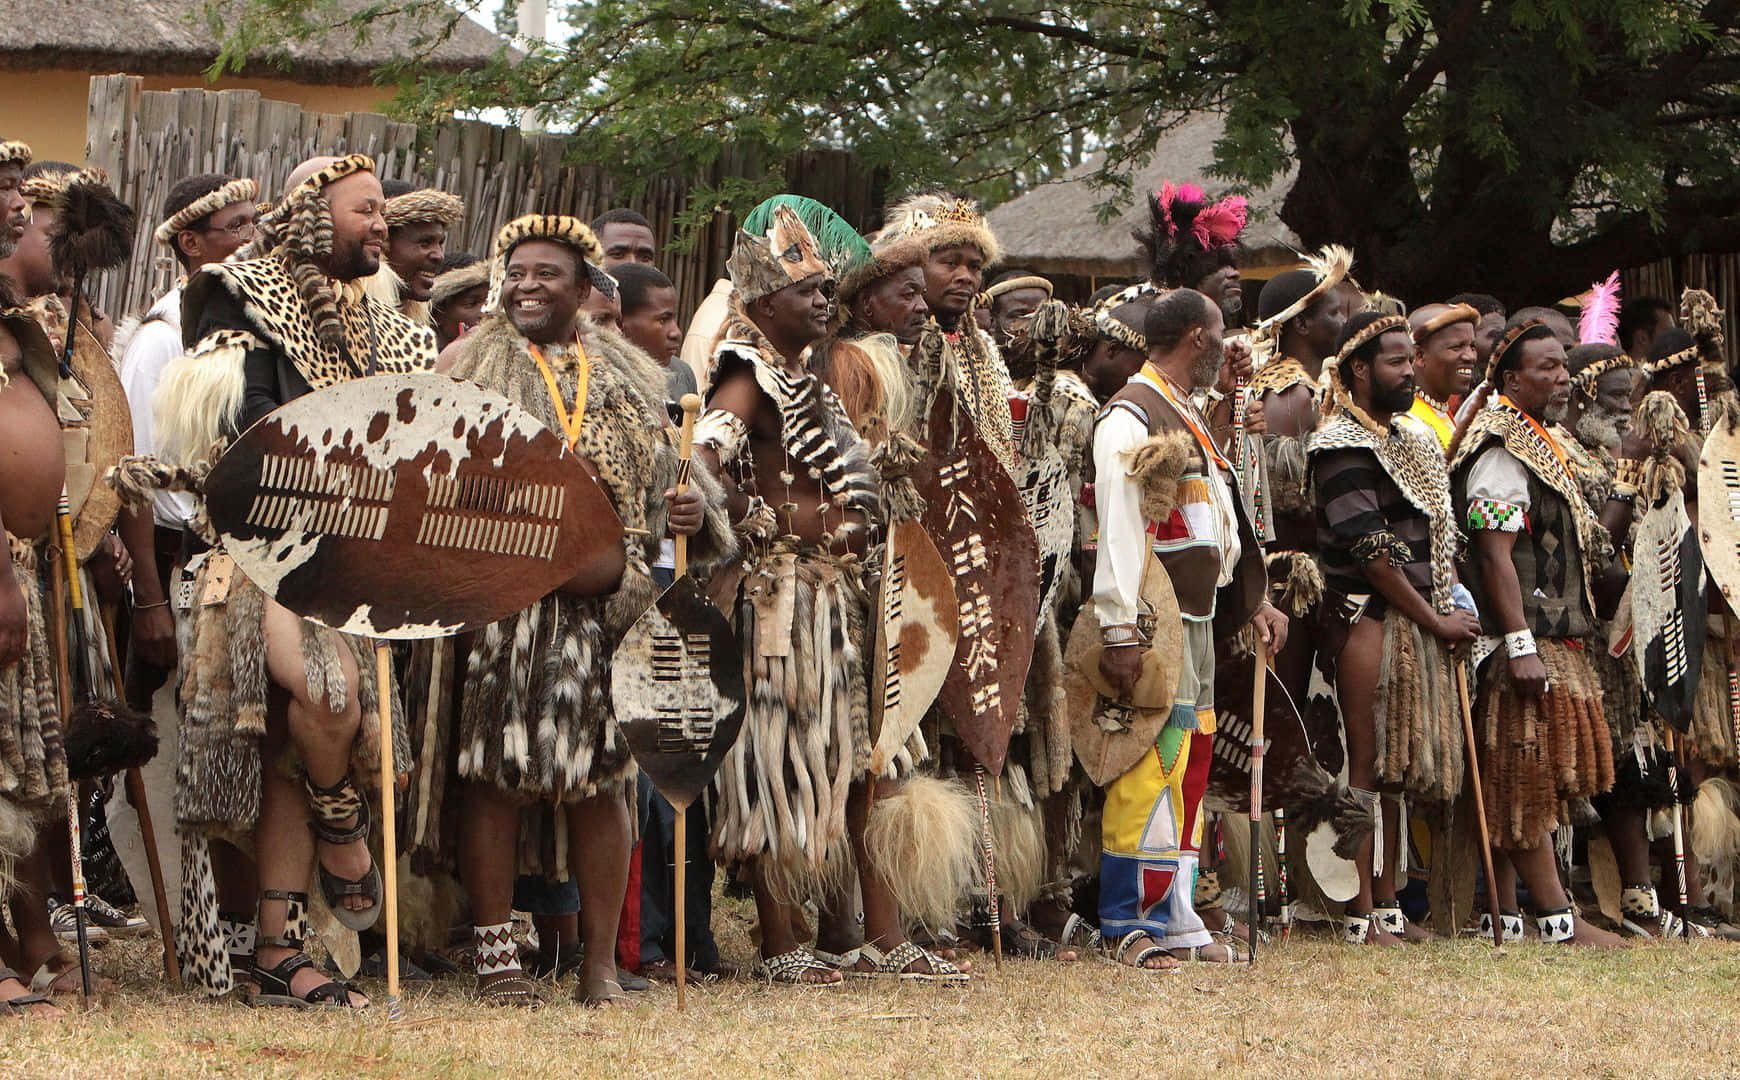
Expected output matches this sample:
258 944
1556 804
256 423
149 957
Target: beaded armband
1492 515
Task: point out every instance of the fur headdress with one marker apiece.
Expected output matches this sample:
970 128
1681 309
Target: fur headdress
1339 398
1187 236
233 191
1112 328
1031 281
1428 319
557 228
301 225
940 221
1702 319
13 152
424 204
783 256
458 280
839 245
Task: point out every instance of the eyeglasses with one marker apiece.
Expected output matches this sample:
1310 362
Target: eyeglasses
241 230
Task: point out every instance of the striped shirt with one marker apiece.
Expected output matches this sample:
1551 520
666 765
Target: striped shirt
1361 513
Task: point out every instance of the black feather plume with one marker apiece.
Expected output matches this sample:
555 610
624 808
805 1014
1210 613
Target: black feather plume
95 230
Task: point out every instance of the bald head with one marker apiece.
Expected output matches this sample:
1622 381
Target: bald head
305 170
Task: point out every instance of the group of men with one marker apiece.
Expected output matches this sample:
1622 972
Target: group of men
1123 501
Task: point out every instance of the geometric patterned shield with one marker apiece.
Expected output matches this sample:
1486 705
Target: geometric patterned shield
917 629
1719 508
973 511
1669 609
677 682
407 506
97 430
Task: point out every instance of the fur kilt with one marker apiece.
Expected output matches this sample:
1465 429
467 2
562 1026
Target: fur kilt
33 781
536 716
782 789
1715 731
1539 753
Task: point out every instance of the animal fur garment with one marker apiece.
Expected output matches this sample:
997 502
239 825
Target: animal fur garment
1417 718
1715 836
782 788
1295 582
923 840
33 777
1715 728
1156 466
1017 841
1540 753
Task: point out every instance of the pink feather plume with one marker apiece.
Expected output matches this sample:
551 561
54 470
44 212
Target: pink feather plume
1599 322
1220 224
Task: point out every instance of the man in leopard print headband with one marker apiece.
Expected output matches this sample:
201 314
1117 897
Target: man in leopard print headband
260 332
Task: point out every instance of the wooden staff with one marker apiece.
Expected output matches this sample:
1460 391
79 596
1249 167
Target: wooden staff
148 834
691 404
389 826
1259 691
1679 833
63 664
1479 802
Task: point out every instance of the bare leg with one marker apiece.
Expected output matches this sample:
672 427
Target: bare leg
284 846
37 944
1540 872
489 833
1356 678
598 857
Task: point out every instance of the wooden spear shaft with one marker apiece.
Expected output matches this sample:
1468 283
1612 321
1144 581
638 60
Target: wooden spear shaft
1259 693
1479 802
691 404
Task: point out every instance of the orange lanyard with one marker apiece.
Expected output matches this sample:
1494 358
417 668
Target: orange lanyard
573 417
1161 382
1552 444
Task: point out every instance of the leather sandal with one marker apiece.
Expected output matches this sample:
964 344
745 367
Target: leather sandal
328 806
274 982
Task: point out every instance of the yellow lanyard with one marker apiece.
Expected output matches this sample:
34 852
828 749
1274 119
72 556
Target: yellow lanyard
571 418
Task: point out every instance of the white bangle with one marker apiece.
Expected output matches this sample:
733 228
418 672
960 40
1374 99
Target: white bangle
1519 643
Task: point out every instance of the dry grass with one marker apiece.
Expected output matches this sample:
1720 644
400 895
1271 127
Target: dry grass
1312 1008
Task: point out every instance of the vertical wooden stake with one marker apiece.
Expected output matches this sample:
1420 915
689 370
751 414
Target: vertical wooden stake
389 823
1479 803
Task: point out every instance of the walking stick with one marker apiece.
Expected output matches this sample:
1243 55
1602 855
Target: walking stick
680 836
991 904
1259 691
63 643
389 823
1479 802
148 834
1283 892
1679 833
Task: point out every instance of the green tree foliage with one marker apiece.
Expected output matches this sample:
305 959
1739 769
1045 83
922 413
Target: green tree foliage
1520 146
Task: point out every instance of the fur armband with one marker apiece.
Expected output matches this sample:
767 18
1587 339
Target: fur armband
724 431
1156 465
1383 542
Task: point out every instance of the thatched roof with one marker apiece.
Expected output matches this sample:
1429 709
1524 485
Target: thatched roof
1055 227
171 37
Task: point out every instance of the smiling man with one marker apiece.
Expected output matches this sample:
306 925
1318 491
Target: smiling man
262 332
1444 360
417 226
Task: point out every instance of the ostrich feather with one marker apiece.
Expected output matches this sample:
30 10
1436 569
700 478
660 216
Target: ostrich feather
1599 322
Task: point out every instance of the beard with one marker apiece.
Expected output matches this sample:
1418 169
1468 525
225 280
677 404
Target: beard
1206 369
1598 427
1555 414
352 261
1396 398
7 244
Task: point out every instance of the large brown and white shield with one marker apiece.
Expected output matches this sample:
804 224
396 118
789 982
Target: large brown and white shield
1719 508
973 511
917 630
407 506
1669 609
677 682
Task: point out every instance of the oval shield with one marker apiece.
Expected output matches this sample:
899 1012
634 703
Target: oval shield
97 427
973 510
1719 507
677 681
1669 610
917 630
406 506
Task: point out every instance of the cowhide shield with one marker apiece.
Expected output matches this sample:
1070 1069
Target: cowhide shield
973 511
1719 508
1669 610
407 506
1044 484
97 430
916 631
677 682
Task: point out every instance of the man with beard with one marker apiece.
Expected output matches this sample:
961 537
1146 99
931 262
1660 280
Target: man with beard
540 352
1537 552
262 332
1164 492
418 222
1387 538
1443 364
1012 299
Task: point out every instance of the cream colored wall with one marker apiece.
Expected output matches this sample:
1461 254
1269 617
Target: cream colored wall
51 116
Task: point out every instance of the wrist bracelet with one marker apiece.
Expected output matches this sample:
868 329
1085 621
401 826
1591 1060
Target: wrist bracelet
1519 643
